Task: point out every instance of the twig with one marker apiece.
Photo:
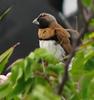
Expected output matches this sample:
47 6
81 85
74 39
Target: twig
65 76
81 8
72 30
17 44
76 23
42 75
85 20
65 20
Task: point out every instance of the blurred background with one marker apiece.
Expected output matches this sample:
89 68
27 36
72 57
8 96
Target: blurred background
17 25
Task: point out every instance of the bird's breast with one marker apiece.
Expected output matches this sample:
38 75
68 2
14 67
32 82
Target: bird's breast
53 47
46 33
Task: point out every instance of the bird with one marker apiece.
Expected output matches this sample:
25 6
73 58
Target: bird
52 36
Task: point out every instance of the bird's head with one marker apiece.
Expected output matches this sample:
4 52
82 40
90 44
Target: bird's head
44 20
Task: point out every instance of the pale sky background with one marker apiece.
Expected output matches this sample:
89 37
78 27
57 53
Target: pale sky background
69 7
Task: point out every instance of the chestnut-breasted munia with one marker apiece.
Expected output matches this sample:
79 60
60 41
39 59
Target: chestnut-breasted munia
53 36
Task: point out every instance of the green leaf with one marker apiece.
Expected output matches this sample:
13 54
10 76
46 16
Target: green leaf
17 70
85 83
5 89
43 93
91 23
89 65
81 61
43 54
77 64
17 88
91 89
31 66
70 91
86 2
5 13
57 68
5 57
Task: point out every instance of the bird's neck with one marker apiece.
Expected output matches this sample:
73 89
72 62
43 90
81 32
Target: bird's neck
47 34
51 38
55 25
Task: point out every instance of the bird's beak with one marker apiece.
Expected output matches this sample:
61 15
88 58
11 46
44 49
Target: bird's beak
35 21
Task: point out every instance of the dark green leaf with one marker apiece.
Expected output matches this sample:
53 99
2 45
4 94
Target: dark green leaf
17 70
5 89
43 93
5 57
5 13
86 2
46 56
85 85
91 23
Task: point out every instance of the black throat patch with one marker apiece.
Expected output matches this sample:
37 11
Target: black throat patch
43 23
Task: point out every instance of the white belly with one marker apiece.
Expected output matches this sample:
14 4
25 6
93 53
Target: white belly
53 48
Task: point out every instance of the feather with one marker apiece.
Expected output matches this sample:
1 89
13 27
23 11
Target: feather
63 38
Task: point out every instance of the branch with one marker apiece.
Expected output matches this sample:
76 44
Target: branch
63 18
65 76
81 8
86 15
72 30
76 45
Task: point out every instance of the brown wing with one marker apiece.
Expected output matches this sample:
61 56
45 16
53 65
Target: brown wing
63 38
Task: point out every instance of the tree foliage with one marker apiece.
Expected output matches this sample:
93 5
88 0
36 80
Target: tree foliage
31 80
38 76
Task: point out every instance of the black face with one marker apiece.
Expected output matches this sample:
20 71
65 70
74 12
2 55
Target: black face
43 23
